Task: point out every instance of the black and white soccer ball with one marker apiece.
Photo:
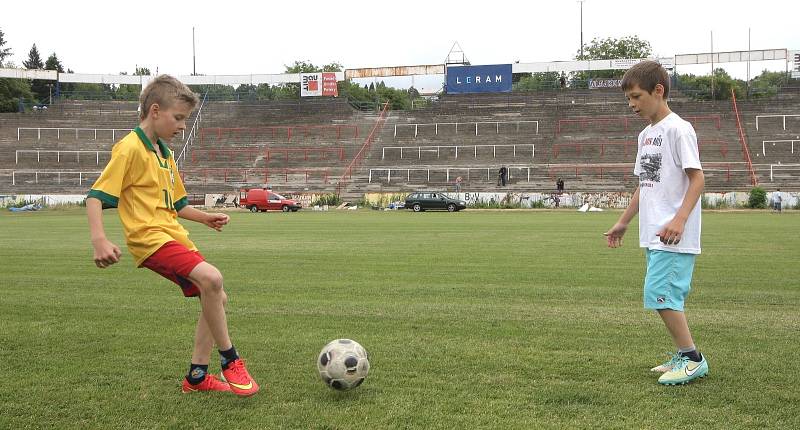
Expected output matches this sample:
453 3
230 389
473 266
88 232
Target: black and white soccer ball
343 364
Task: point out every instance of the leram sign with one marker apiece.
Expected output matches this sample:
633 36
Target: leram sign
495 78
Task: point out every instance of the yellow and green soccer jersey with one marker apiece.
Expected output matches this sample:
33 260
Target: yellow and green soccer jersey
144 184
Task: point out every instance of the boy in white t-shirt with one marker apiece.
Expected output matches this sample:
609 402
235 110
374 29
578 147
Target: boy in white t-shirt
668 202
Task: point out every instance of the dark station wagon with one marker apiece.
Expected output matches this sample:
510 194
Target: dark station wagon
433 200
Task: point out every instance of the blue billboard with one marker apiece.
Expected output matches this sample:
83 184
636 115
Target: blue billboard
494 78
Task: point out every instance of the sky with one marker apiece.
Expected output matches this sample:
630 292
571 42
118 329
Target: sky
236 37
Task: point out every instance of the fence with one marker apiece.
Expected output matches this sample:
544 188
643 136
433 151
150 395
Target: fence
438 148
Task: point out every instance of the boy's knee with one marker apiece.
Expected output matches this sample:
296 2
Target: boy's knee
209 280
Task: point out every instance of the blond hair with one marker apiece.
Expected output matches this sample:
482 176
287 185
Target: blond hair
646 75
165 91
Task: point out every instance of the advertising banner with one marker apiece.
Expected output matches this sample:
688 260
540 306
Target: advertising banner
318 84
329 86
605 83
494 78
310 84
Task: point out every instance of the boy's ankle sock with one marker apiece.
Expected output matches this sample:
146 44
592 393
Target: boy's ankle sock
228 356
692 355
197 373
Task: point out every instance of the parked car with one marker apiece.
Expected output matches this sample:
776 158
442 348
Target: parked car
433 200
261 200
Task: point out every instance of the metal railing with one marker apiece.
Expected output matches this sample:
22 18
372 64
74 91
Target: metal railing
491 172
776 116
773 142
438 148
58 154
745 149
784 167
58 174
348 173
77 130
476 123
179 160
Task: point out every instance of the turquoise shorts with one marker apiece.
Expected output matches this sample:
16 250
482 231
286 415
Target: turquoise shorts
668 279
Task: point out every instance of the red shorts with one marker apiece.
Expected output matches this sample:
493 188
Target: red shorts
175 262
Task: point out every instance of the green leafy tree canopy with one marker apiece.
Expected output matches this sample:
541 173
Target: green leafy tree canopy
53 63
301 66
610 48
34 61
4 52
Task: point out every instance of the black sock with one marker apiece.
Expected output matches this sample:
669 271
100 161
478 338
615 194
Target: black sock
228 356
693 355
197 373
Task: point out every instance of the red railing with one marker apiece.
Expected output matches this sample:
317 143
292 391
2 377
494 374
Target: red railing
268 153
249 175
348 172
603 170
745 150
253 133
627 144
624 121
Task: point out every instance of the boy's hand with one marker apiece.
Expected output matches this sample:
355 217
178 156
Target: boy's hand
217 220
614 235
105 253
672 232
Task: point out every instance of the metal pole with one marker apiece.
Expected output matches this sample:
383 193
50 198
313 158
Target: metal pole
581 2
194 62
712 65
748 64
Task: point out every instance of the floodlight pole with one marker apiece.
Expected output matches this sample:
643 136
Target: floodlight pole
194 61
712 65
581 2
748 64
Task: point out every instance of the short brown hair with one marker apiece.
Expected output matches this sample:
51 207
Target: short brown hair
646 75
165 90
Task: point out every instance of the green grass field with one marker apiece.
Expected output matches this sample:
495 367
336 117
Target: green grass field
478 319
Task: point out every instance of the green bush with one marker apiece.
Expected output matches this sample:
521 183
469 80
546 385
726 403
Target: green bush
327 199
757 199
493 204
21 203
718 204
538 204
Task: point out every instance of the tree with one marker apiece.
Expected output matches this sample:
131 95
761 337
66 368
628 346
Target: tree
4 52
767 84
53 63
332 67
538 81
699 87
301 66
610 48
38 86
12 91
141 71
34 61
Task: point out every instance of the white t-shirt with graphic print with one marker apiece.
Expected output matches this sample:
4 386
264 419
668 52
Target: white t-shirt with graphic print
665 150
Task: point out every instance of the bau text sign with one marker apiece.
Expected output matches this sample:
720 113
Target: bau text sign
318 84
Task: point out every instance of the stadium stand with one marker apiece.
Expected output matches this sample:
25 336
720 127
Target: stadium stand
588 137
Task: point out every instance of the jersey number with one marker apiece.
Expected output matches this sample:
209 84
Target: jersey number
168 200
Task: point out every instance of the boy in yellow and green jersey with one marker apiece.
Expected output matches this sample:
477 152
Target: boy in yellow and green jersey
142 181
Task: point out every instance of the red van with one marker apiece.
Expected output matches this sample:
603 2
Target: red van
260 200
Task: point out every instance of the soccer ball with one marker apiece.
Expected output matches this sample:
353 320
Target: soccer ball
343 364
